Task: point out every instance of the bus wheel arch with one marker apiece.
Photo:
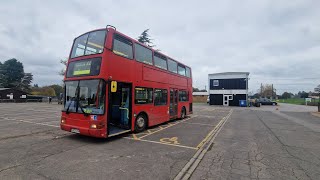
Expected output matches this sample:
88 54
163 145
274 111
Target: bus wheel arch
139 126
183 112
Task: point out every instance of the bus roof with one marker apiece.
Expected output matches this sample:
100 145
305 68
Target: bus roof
135 41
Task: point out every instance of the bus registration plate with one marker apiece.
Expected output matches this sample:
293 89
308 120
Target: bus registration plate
75 131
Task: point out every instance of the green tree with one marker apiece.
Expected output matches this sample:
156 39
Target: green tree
2 80
145 38
44 91
256 95
303 94
57 88
196 89
317 90
286 95
12 73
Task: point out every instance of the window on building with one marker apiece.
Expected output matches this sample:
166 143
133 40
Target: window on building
215 82
160 61
143 54
183 96
173 66
143 95
160 97
122 46
181 70
188 72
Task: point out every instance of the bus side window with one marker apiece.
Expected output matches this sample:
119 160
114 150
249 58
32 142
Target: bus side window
160 61
143 54
183 96
181 70
160 97
143 95
188 71
172 65
122 46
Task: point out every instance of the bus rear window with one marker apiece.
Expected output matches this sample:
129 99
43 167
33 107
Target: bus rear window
90 43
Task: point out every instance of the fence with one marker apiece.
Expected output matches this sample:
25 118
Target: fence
19 100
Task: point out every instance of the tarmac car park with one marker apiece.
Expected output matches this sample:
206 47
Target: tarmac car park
215 142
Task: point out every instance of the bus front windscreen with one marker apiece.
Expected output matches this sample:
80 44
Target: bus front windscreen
85 96
89 43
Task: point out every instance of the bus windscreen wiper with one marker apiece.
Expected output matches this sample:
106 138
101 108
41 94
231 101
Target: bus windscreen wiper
78 102
85 114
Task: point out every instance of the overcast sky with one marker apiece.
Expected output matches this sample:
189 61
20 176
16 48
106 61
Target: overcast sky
276 41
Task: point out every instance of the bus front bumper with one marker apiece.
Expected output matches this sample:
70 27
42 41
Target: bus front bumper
100 133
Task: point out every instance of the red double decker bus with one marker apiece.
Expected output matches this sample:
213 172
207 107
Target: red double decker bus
115 84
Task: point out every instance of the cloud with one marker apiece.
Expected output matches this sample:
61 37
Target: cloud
276 41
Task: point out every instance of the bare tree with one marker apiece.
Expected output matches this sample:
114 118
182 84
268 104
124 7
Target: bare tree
64 62
267 91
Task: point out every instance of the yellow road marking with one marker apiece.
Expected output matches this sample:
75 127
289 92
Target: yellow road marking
209 134
173 140
157 142
214 129
135 137
199 124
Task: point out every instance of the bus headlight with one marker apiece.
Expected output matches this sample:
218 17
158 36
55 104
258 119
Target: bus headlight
63 120
93 126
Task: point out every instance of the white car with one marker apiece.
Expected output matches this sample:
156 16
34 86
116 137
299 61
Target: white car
208 99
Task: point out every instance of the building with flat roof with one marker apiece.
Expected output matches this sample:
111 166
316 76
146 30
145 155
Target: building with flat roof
200 96
11 94
228 88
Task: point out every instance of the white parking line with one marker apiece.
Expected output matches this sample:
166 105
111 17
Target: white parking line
43 124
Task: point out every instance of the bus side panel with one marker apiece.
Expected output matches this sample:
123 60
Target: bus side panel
147 109
155 75
161 114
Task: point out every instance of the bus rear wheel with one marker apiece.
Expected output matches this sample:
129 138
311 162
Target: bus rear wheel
183 113
141 123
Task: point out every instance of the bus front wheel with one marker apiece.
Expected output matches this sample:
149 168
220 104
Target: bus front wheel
141 123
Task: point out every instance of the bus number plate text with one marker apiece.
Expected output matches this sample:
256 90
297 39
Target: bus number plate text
75 131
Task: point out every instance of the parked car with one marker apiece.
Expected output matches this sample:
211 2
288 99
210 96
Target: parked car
208 99
264 101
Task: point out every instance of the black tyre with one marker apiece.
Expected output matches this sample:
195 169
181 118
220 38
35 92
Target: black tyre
183 113
141 123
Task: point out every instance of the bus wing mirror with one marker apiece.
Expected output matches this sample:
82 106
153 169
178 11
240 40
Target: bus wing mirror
113 86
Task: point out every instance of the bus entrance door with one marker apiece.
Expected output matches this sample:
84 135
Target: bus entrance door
173 103
120 109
